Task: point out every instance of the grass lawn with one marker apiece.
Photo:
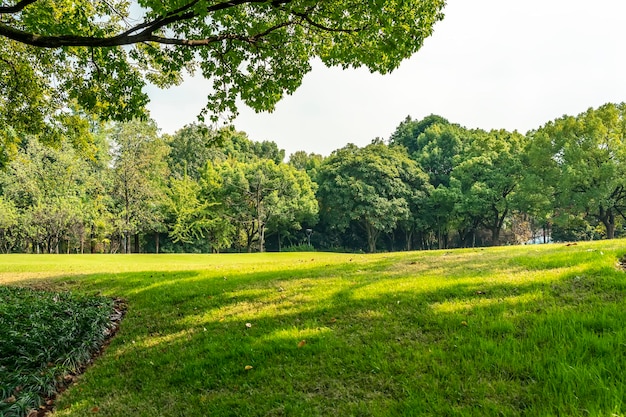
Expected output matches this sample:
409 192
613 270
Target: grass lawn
517 331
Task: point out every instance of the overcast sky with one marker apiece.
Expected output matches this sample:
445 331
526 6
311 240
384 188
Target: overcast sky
490 64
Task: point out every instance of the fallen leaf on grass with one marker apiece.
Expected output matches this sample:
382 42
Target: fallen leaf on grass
464 323
301 344
95 409
248 367
333 320
248 325
10 400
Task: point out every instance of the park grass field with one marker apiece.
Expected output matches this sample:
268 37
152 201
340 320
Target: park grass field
509 331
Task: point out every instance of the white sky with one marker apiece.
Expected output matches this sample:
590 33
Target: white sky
490 64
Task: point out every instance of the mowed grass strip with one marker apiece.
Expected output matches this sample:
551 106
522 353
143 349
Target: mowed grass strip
520 331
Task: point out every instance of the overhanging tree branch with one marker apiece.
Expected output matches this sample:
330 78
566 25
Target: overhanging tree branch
143 32
317 25
253 50
18 7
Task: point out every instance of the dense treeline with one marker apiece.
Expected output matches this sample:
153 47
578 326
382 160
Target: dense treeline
432 184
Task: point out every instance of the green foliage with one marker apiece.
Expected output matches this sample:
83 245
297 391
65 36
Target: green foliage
263 197
139 176
8 222
44 336
440 149
581 162
237 145
100 55
408 132
309 163
124 187
49 189
375 186
190 215
191 147
488 178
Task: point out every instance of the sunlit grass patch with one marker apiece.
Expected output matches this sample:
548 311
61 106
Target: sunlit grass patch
504 331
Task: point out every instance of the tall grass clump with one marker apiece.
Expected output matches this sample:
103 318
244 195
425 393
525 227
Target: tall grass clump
45 336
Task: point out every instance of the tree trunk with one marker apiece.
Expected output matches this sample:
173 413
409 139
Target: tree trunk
137 243
261 237
409 240
156 241
495 236
439 239
392 241
372 237
607 217
610 229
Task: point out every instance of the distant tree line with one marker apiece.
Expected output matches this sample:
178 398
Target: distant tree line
433 184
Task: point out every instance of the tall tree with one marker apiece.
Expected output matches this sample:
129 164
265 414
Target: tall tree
373 186
189 215
438 148
139 175
49 188
236 144
297 208
583 160
261 196
488 178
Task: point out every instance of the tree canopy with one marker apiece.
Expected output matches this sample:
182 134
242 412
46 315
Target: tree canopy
582 161
126 188
375 186
100 54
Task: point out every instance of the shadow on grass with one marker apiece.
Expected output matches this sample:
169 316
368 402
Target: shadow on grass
375 338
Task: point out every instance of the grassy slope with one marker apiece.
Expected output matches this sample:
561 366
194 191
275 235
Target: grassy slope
506 331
